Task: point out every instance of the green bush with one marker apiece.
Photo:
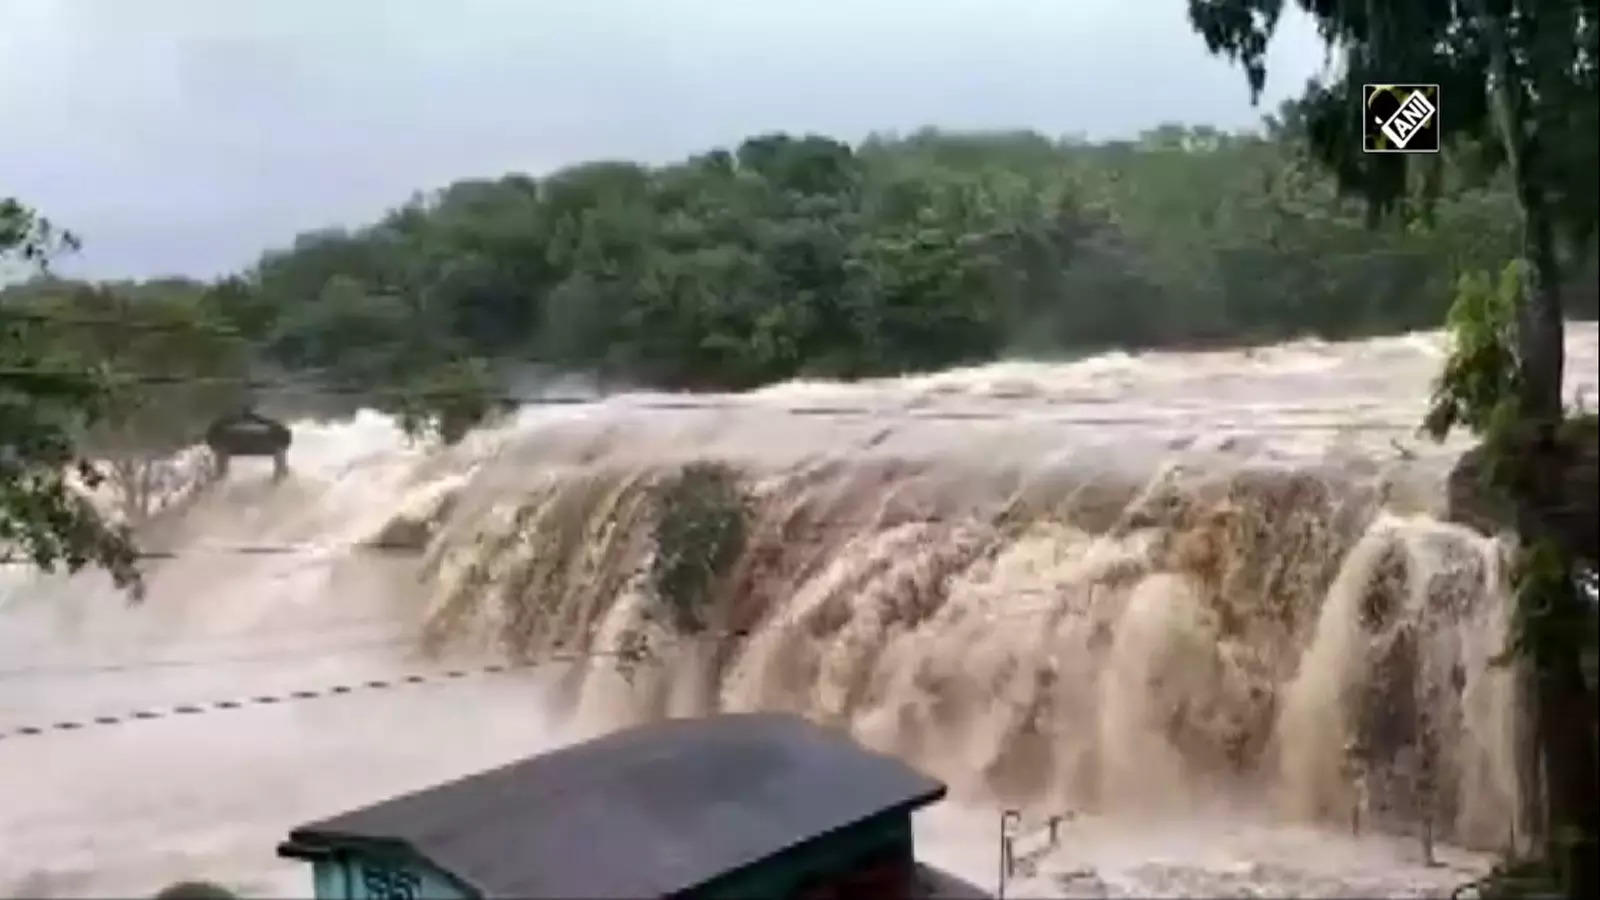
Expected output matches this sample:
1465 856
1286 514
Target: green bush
1478 383
701 519
447 401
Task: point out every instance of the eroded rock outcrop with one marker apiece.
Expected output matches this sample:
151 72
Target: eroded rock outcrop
1572 518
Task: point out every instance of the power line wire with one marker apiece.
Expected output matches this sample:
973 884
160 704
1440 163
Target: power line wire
123 323
191 709
154 379
1178 421
119 322
255 633
640 653
385 548
68 670
643 651
133 324
34 316
137 665
299 383
816 410
293 384
221 549
879 415
998 519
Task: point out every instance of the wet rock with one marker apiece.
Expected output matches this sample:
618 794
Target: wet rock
1575 518
411 529
406 534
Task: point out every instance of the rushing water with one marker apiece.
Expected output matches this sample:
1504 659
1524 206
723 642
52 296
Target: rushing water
1162 592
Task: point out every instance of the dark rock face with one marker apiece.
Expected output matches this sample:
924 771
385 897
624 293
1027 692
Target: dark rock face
404 534
1574 518
1471 501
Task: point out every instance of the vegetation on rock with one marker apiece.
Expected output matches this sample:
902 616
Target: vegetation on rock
701 520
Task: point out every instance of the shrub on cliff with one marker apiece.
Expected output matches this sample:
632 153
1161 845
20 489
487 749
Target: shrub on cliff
701 519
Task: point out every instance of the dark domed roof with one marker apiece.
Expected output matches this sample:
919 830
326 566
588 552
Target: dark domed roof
247 433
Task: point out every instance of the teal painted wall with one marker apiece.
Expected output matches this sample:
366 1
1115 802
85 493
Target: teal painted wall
352 877
328 880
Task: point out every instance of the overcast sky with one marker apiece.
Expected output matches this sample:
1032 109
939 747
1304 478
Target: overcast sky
186 136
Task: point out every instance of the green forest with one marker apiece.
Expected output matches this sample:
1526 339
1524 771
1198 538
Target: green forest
787 256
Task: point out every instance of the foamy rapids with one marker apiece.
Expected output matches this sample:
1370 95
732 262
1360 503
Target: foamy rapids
1164 592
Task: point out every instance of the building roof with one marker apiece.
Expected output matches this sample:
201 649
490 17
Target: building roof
645 812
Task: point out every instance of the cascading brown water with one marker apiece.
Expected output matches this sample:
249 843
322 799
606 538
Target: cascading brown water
1161 588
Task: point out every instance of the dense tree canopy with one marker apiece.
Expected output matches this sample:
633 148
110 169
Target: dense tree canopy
780 257
804 255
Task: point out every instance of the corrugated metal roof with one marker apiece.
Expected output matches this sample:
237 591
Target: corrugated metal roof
644 812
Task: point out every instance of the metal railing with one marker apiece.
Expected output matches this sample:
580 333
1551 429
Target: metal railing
1022 844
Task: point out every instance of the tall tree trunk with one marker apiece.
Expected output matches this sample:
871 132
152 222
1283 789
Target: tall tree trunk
1540 346
1563 711
1569 753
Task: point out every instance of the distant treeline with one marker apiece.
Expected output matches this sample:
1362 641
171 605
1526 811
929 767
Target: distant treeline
806 256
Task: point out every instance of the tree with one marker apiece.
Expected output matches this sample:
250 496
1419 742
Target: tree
44 516
445 400
171 370
1520 78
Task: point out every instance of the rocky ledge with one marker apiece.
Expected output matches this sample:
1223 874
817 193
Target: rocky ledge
1573 518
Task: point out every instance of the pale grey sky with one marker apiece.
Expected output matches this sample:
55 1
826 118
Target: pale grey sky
186 136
